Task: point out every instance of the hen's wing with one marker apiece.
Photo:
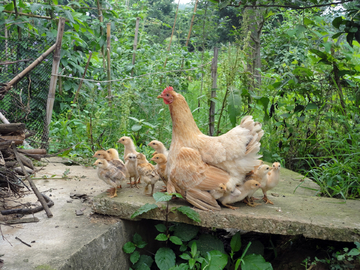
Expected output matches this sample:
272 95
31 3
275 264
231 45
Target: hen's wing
192 178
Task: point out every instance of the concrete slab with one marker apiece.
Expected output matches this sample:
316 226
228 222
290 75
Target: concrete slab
296 211
67 241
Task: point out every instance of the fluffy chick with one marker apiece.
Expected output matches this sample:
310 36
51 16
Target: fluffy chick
129 145
272 179
219 191
260 175
131 168
147 172
160 160
239 193
109 174
158 147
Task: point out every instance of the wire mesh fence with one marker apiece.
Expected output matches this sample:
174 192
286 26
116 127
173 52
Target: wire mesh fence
26 101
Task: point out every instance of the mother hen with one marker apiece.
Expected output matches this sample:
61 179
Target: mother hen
235 152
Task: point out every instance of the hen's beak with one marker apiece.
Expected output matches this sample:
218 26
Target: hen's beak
160 96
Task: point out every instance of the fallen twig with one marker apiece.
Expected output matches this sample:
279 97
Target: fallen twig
26 211
17 238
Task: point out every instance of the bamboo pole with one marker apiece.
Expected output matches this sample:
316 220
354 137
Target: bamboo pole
172 33
191 24
101 19
82 79
55 69
28 15
135 44
213 92
33 186
108 50
6 47
25 71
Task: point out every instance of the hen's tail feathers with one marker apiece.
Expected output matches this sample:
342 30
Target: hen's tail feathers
202 200
254 127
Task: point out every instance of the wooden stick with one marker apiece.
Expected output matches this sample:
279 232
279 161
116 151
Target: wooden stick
81 81
191 24
14 62
108 50
213 92
28 15
27 211
135 44
14 127
33 186
101 19
33 151
172 33
3 119
55 68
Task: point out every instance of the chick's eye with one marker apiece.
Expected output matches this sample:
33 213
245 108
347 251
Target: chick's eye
154 143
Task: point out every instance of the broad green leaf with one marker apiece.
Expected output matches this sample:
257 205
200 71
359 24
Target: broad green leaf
162 197
135 257
165 258
34 7
285 115
129 247
69 16
218 260
337 35
143 209
9 6
354 252
307 21
193 249
235 242
302 71
321 54
144 263
185 256
2 8
182 266
192 214
138 241
21 4
300 29
185 232
161 237
160 227
255 262
311 106
234 105
176 240
208 243
136 127
337 22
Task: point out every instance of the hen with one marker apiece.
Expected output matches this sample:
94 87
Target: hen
235 152
147 172
272 180
109 174
195 180
158 147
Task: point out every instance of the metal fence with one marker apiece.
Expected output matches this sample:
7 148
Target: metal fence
26 100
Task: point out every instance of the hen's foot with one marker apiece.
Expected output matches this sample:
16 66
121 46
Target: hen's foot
266 200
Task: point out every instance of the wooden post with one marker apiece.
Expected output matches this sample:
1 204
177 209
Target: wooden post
213 92
108 50
101 19
135 44
54 72
82 79
6 46
191 24
172 33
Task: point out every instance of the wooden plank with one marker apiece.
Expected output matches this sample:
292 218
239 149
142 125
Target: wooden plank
14 127
17 139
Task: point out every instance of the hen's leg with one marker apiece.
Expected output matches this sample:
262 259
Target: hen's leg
266 200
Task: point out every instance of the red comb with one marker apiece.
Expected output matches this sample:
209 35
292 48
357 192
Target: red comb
169 88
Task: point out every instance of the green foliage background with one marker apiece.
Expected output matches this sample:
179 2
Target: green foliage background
308 99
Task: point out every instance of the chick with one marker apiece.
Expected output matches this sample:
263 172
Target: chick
219 191
158 147
147 172
272 180
109 174
239 193
112 157
160 160
131 168
129 145
259 175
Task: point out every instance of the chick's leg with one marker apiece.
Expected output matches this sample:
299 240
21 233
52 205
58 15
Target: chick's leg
230 206
250 202
266 200
115 193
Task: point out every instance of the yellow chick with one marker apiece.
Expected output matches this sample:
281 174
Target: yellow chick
259 175
272 180
131 168
147 172
129 145
110 175
240 193
158 147
160 160
219 191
